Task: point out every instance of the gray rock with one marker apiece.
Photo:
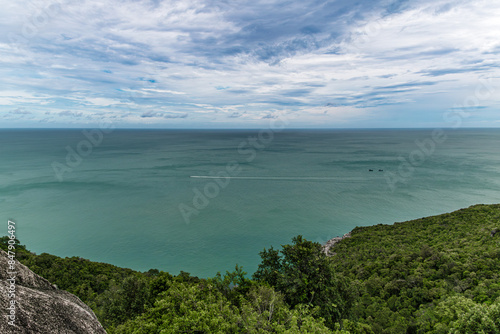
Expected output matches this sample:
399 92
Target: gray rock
40 307
331 243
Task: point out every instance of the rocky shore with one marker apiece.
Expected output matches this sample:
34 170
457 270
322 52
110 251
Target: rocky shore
330 243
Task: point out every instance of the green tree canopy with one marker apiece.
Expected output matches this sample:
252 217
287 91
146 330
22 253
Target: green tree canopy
305 275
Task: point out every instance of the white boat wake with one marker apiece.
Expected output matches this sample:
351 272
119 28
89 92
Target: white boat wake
265 177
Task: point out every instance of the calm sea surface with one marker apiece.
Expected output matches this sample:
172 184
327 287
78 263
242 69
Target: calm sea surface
131 200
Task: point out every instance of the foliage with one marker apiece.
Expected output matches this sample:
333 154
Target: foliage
460 315
233 284
202 308
186 308
84 278
432 275
305 276
405 272
115 294
265 311
123 301
126 301
481 319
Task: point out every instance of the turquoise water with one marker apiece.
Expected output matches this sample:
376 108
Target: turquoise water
120 203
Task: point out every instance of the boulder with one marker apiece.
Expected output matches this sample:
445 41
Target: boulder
39 306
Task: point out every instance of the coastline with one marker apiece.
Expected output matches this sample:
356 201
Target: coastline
332 242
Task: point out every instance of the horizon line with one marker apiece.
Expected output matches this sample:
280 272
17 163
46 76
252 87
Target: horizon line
256 128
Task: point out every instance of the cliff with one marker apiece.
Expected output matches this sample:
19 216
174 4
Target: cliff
31 304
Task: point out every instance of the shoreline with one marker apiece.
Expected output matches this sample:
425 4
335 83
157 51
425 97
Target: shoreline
332 242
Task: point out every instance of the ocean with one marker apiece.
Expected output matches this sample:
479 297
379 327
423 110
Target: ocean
202 201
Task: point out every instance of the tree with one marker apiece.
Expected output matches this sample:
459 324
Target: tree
186 308
124 301
305 275
481 319
161 282
460 315
233 285
202 308
265 311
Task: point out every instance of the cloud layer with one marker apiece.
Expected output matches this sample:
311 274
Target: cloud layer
236 63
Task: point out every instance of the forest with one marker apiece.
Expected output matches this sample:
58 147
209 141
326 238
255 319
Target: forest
437 274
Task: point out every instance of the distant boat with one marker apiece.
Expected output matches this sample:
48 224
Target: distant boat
370 170
380 170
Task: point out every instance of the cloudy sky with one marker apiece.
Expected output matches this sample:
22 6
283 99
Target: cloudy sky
239 63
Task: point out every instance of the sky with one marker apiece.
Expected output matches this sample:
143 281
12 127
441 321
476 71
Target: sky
244 64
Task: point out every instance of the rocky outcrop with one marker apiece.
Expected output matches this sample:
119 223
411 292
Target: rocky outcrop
330 243
31 304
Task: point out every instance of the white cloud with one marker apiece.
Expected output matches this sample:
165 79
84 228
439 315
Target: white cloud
22 97
102 101
128 58
162 91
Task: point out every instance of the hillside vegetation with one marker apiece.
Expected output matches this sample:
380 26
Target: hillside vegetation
422 276
437 274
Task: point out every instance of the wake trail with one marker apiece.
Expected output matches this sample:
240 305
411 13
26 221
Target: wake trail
266 177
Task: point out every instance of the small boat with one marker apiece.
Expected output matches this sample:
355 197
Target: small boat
380 170
370 170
